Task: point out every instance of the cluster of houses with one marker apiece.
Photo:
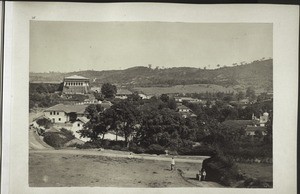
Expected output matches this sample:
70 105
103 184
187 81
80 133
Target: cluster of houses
72 117
259 125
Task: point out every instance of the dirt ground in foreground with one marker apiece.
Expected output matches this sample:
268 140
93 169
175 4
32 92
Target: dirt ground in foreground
63 170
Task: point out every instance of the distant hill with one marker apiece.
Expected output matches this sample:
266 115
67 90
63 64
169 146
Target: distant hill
258 74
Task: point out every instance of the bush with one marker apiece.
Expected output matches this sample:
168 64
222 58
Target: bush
220 169
136 149
125 149
155 149
86 145
56 139
197 150
44 122
116 147
69 134
106 144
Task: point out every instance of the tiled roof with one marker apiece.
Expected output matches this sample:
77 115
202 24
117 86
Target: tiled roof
182 107
76 77
123 92
68 108
83 119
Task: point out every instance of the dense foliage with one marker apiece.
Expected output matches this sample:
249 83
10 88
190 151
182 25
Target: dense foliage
58 139
156 122
108 90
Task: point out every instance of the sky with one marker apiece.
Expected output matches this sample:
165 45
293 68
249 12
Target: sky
73 46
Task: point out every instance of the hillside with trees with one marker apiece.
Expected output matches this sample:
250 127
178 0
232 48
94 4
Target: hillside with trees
257 74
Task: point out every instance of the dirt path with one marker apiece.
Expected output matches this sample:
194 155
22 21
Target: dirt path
35 142
122 155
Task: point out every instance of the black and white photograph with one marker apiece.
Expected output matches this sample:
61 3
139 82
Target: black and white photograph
150 103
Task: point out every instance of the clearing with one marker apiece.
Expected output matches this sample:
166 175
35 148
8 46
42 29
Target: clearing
65 168
192 88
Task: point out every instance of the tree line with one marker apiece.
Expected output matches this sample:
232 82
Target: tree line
156 122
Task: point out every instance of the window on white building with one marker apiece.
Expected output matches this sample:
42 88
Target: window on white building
57 113
78 124
59 119
50 113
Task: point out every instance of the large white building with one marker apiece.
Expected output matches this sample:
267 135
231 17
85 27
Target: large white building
76 85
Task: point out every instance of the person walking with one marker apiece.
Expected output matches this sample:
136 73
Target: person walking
172 164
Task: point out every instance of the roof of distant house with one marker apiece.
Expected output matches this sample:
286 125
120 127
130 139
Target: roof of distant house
106 104
182 107
188 98
68 108
237 124
123 92
83 119
254 128
76 77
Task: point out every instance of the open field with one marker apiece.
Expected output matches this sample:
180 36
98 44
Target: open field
193 88
64 168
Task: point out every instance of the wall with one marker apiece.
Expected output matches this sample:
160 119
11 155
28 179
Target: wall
61 115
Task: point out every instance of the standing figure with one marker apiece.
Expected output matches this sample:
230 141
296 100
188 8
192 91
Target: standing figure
203 175
172 164
199 175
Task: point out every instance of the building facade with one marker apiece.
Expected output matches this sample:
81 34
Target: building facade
61 113
76 85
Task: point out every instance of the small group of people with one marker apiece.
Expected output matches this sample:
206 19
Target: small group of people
201 175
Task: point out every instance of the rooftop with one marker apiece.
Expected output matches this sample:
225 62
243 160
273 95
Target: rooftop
123 92
68 108
182 107
253 128
77 77
83 119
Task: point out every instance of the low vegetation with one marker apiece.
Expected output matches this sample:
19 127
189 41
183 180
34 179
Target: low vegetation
59 138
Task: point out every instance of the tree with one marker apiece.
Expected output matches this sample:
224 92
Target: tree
108 90
240 95
134 97
250 93
269 125
96 125
172 104
126 118
164 98
98 96
45 122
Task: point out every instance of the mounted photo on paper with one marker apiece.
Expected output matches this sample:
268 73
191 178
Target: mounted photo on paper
150 104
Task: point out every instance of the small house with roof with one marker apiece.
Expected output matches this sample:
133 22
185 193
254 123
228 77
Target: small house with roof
123 93
62 113
259 125
252 130
185 111
183 108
